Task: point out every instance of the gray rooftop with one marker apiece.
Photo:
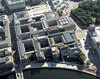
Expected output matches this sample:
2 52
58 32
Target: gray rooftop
37 48
21 49
6 31
51 15
68 38
18 30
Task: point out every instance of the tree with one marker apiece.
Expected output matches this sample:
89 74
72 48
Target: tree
87 62
93 19
88 12
82 58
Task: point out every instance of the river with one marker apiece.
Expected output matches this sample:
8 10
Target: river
58 73
51 73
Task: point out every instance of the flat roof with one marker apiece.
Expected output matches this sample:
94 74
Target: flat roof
68 38
21 49
18 30
22 14
37 48
7 40
14 1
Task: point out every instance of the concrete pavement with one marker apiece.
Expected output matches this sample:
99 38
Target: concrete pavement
58 65
50 64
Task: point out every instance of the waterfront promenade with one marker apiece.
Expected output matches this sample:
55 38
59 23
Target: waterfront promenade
20 70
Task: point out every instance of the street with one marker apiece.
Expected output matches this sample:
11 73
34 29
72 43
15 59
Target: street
86 45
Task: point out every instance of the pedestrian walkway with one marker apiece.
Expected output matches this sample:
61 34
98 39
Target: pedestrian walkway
50 64
56 65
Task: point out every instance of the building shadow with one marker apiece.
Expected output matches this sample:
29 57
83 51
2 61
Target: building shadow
76 0
92 55
28 73
9 12
6 76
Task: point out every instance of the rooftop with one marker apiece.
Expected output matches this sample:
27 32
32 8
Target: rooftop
4 31
95 32
68 37
42 32
14 1
51 15
22 14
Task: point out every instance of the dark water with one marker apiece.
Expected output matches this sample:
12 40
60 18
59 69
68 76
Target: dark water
50 73
8 76
46 73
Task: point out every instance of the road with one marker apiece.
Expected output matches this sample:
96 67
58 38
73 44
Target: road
81 35
16 57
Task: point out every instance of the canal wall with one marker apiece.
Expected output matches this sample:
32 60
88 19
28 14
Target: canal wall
76 67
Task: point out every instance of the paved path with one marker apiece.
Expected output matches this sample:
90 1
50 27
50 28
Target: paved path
59 65
50 64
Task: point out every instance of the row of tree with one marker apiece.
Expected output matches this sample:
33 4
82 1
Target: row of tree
88 12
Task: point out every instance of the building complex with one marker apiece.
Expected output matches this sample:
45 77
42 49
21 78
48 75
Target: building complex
41 32
5 43
43 37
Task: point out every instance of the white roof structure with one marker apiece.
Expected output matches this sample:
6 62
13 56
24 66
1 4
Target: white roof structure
38 10
97 30
96 34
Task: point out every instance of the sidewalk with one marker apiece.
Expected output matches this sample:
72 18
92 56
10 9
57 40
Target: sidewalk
50 64
56 65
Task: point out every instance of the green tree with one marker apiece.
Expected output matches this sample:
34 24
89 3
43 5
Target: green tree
82 58
87 62
88 12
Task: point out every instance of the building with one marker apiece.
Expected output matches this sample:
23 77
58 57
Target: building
5 39
36 2
38 10
1 9
94 34
5 43
15 4
58 4
39 38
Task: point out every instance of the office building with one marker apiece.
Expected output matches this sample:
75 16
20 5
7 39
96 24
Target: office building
40 38
94 34
5 43
15 4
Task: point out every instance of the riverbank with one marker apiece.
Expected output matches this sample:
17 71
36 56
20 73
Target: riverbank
55 73
7 72
52 65
59 65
